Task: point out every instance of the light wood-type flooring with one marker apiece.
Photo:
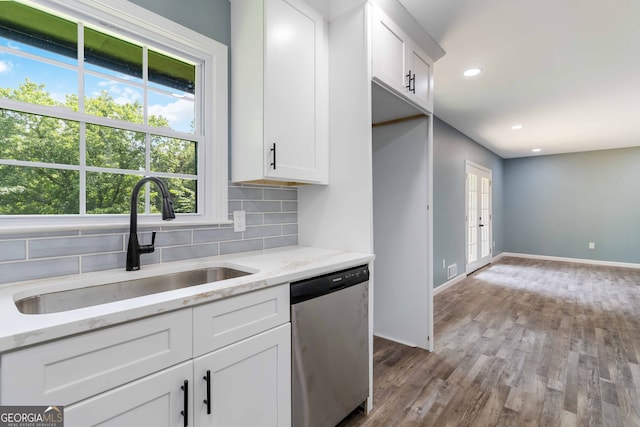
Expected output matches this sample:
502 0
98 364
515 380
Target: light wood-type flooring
520 343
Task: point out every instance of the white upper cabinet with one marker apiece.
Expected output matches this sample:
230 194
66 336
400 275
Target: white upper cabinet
398 64
279 92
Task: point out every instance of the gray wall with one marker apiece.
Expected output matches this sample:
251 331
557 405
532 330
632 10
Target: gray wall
555 205
450 150
208 17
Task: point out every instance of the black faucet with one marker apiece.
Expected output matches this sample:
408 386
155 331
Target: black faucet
134 249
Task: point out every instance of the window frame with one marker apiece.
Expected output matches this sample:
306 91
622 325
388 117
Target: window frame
135 23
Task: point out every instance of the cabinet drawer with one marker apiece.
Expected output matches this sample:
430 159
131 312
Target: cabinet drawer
72 369
231 320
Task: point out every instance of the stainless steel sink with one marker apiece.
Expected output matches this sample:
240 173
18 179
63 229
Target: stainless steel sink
56 302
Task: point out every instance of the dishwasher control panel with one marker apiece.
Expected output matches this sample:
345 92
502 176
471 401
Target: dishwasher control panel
303 290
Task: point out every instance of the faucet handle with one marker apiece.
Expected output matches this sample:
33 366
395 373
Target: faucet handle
147 249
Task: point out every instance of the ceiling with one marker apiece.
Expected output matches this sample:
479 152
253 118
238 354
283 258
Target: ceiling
568 71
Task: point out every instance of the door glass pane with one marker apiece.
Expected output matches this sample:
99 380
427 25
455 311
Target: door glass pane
472 218
485 214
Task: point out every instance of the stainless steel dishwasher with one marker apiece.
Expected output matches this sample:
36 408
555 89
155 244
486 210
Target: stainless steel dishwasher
330 346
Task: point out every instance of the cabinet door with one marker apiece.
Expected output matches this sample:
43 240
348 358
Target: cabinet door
293 119
250 382
389 47
421 66
156 400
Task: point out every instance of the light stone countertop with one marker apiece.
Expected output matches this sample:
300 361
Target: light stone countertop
271 267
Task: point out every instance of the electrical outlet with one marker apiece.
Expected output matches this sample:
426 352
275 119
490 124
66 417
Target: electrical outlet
592 245
239 221
444 264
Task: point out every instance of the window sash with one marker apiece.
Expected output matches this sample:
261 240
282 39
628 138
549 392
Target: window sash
142 26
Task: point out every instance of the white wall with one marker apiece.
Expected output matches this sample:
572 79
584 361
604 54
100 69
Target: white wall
339 216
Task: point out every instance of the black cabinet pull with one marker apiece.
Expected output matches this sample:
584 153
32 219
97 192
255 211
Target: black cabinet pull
413 80
207 402
273 149
185 411
411 77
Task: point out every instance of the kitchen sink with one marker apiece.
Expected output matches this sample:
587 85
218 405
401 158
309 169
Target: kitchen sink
71 299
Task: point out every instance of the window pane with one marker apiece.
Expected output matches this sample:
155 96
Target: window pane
109 193
37 82
57 37
113 99
169 73
176 111
109 147
35 138
111 55
184 195
173 155
38 191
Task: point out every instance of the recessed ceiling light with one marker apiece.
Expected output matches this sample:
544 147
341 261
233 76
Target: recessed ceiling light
537 150
470 72
516 127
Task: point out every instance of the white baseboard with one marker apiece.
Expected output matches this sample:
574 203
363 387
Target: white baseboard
575 260
449 284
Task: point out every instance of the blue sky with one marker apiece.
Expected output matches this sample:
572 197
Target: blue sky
59 81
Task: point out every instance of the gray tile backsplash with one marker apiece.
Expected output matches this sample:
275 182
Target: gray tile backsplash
271 219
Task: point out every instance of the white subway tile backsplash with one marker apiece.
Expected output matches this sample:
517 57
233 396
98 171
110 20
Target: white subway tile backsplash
271 221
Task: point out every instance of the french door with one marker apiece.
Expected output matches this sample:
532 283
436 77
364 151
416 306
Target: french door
478 216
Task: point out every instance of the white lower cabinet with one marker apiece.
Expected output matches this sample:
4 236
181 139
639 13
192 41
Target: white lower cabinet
247 383
153 372
156 400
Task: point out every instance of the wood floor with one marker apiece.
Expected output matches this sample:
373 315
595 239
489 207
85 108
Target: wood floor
520 343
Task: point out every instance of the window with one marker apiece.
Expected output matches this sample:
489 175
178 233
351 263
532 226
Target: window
95 95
